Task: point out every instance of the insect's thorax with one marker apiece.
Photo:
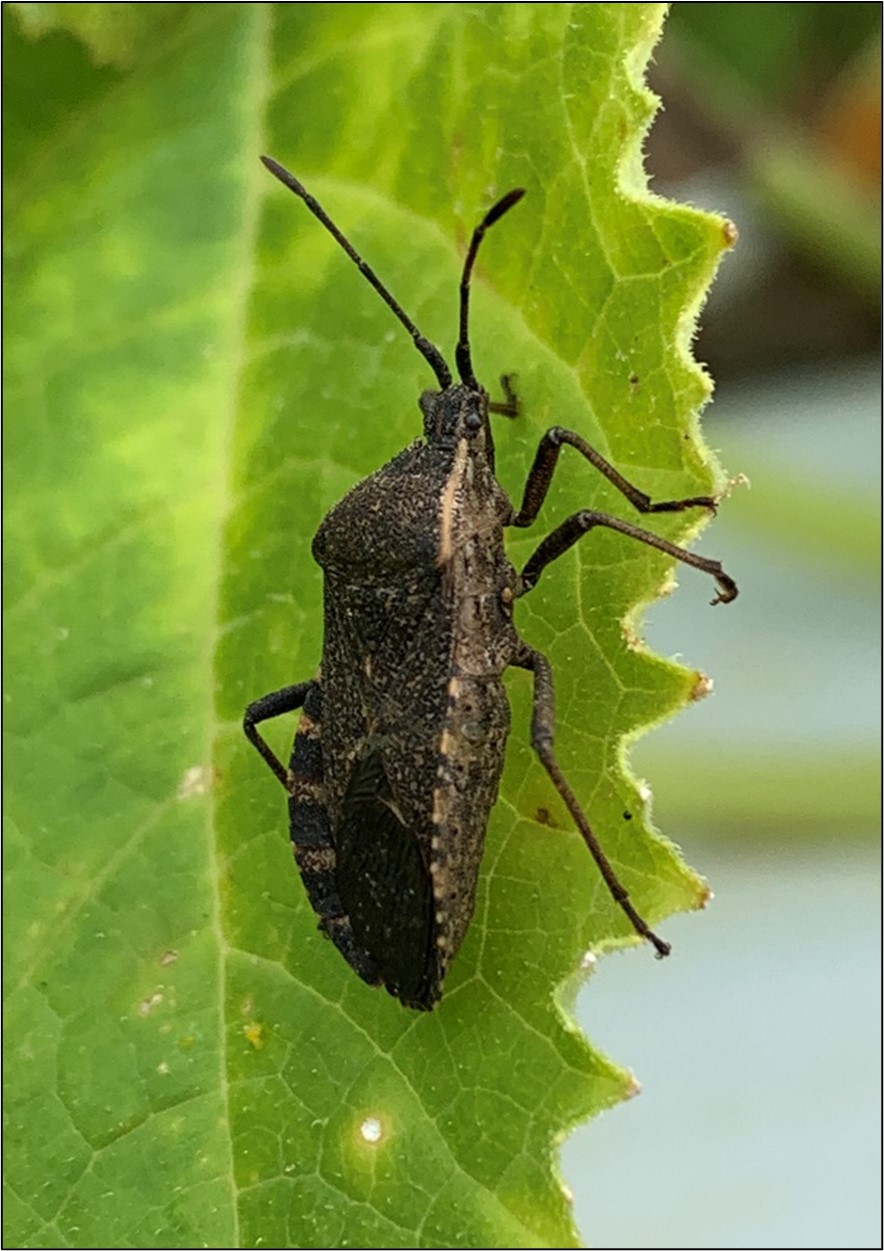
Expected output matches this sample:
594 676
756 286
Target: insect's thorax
415 570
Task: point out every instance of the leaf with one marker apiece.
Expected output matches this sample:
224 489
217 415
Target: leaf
196 375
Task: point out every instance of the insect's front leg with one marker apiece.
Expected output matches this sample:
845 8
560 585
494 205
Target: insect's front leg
509 406
546 459
542 740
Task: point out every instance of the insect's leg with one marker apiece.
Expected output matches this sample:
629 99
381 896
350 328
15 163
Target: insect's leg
541 474
273 705
509 405
578 524
542 735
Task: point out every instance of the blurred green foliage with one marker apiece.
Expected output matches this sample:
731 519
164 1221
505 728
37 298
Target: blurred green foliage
776 49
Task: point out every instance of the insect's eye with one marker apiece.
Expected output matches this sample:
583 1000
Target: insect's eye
427 401
473 422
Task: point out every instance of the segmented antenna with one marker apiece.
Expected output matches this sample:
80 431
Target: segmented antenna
431 354
462 352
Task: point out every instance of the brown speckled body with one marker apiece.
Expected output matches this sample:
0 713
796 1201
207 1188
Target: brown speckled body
418 631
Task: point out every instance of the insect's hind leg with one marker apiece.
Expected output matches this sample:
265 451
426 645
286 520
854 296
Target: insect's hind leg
275 704
542 736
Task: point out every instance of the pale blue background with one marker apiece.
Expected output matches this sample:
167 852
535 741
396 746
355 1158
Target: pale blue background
758 1042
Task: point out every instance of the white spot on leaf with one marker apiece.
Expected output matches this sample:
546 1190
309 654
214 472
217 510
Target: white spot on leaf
371 1129
196 781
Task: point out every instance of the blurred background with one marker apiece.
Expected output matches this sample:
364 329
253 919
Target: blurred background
758 1044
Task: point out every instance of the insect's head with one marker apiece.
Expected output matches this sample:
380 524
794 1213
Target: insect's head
458 412
468 403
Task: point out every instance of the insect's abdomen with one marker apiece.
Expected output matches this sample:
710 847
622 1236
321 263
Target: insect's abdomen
385 653
315 852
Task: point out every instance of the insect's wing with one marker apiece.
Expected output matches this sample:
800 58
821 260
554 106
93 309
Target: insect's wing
384 885
416 716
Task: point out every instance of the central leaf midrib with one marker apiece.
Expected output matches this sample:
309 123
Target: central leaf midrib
257 90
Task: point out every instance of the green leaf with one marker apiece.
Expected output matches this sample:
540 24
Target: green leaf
196 374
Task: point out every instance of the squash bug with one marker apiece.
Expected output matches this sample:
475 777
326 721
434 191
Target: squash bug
399 748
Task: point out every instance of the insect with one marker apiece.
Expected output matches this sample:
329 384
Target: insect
400 744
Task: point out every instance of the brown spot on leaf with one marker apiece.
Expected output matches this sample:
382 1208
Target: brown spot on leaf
702 686
634 1088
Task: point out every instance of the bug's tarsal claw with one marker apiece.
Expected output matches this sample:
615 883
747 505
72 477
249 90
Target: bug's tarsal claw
727 590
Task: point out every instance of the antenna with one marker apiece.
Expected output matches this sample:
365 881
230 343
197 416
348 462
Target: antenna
462 353
431 354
